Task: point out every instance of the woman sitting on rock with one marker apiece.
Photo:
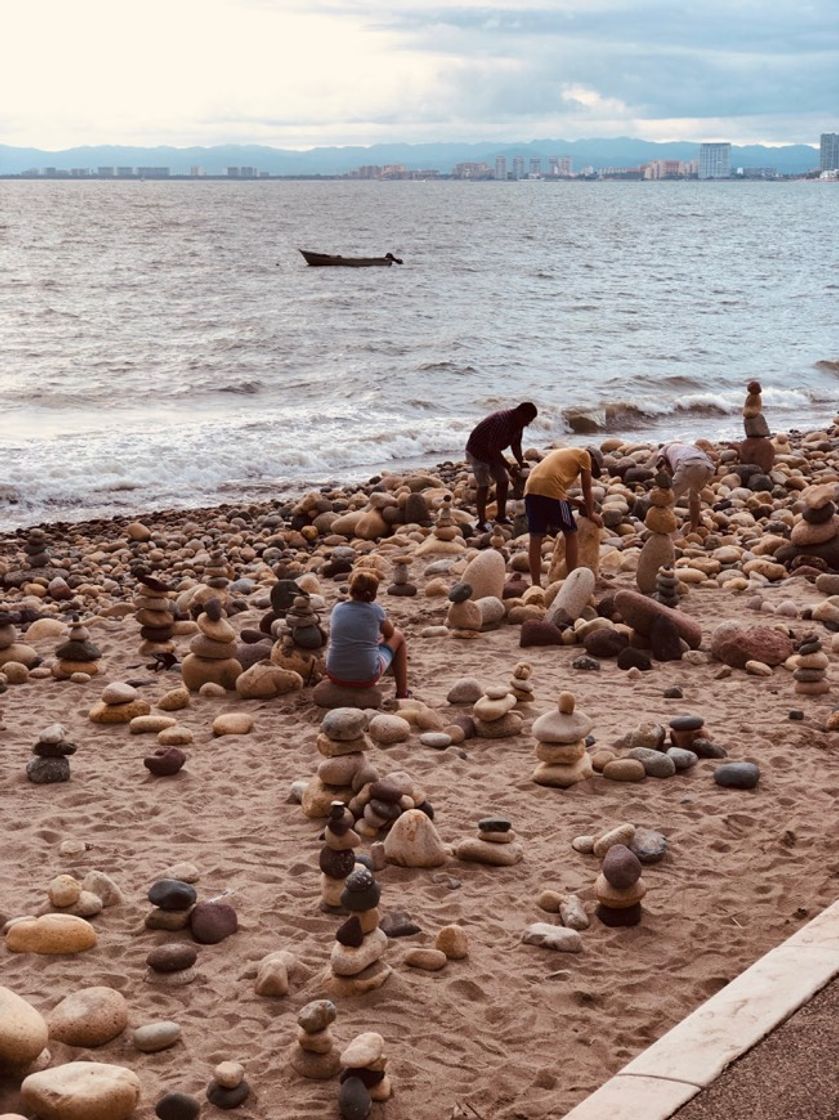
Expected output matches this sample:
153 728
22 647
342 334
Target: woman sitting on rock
363 643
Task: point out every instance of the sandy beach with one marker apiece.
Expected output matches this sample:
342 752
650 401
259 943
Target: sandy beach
514 1031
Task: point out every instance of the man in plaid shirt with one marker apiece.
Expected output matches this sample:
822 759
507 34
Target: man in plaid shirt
484 455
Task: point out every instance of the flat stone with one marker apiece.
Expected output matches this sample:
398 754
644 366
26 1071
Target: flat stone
656 764
624 770
649 846
171 894
81 1091
152 1037
548 936
737 775
51 935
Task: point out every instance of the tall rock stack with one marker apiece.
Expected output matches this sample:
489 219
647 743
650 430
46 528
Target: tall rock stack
493 713
521 685
78 654
561 752
211 656
657 551
464 617
336 858
13 650
401 584
810 673
446 538
303 626
217 574
815 534
667 587
757 447
355 965
313 1055
363 1078
51 752
155 614
619 888
36 549
344 770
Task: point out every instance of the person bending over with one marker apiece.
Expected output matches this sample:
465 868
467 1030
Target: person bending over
484 455
691 470
363 643
547 505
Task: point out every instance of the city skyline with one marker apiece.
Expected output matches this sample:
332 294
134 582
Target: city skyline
305 73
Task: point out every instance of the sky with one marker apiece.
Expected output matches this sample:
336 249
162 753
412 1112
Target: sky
302 73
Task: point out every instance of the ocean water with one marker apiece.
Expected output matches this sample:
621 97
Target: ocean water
164 344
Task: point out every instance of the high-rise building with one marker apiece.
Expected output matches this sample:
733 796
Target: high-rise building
500 167
518 167
714 161
536 168
105 172
560 166
829 152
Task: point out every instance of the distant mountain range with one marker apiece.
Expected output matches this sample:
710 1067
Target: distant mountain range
620 152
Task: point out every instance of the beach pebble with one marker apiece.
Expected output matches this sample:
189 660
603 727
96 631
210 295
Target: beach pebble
90 1017
185 872
23 1031
758 669
649 846
547 936
317 1015
64 890
177 1106
625 770
212 922
453 941
737 775
152 1037
413 841
344 724
81 1091
173 956
656 764
431 960
584 844
171 894
233 723
72 849
354 1102
682 758
549 901
465 691
620 834
387 729
118 693
51 935
176 736
272 974
227 1099
364 1050
439 740
229 1074
573 914
174 700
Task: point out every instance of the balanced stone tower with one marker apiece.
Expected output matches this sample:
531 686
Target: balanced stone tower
619 888
464 617
401 584
561 752
810 673
211 656
493 713
363 1079
757 447
13 650
155 613
355 965
446 538
521 685
50 763
313 1054
495 845
336 858
78 654
342 742
667 587
36 549
658 551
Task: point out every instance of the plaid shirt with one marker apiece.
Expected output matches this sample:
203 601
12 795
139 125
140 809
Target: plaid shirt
494 434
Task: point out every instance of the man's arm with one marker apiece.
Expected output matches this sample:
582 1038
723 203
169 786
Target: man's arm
588 498
515 447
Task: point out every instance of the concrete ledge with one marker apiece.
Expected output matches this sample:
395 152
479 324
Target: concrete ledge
696 1051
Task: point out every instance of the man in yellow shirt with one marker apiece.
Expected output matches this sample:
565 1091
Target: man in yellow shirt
546 501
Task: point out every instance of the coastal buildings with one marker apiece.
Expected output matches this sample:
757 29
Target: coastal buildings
500 168
518 167
829 152
714 161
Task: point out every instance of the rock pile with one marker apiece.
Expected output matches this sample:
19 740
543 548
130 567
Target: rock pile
78 654
561 752
401 584
667 587
757 447
155 614
355 964
336 858
521 685
493 713
811 662
11 650
228 1088
302 624
816 533
36 549
173 900
363 1078
660 520
120 703
445 538
463 618
619 888
495 844
342 742
172 965
212 656
313 1054
50 763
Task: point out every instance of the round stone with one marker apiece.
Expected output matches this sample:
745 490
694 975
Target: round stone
687 723
212 922
317 1015
152 1037
177 1106
172 957
737 775
621 867
172 894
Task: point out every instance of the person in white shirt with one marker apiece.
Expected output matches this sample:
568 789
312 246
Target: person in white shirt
690 469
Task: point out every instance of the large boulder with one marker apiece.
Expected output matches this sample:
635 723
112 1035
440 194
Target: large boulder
330 695
89 1017
572 598
640 613
82 1091
51 935
265 681
486 574
413 841
734 645
23 1032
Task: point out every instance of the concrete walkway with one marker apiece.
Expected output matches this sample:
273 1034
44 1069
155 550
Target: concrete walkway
688 1062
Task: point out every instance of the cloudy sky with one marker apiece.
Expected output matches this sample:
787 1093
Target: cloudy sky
298 73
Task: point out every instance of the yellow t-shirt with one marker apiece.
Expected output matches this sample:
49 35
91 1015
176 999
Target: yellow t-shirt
557 472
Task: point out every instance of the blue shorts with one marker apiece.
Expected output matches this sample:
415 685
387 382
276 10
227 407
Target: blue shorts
385 658
548 515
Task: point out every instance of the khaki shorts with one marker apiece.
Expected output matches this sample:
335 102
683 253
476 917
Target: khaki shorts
485 472
692 476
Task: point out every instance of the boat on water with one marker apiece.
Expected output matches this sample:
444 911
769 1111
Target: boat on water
321 260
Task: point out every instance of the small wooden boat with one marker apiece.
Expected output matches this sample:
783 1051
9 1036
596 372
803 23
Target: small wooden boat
321 260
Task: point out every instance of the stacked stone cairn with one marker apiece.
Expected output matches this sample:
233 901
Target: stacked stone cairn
212 652
78 654
363 1078
495 844
228 1089
336 858
446 538
302 624
521 685
464 617
811 662
120 703
217 574
36 549
493 713
563 760
660 520
50 763
173 901
156 616
313 1054
171 965
816 533
11 650
619 888
283 594
667 587
342 742
685 730
401 584
355 965
757 447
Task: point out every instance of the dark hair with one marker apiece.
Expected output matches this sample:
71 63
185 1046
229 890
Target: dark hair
596 456
527 411
364 586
